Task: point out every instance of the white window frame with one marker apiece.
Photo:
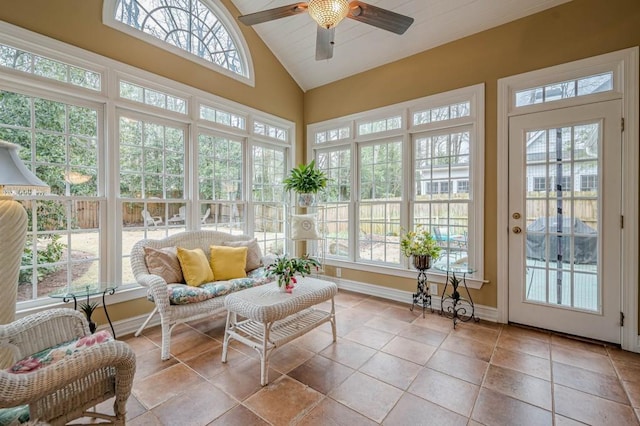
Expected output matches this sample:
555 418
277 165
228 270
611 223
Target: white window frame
624 64
109 100
221 12
474 94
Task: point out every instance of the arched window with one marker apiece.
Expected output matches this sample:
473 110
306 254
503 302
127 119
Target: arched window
198 27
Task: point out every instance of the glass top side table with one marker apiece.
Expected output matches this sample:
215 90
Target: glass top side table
453 305
76 291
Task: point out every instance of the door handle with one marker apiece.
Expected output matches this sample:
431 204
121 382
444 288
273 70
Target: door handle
516 230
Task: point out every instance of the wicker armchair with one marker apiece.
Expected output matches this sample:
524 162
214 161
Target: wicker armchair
65 389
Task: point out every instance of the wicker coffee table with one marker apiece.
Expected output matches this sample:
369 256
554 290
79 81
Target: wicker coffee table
271 318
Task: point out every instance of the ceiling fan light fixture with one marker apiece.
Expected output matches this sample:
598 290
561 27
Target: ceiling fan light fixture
328 13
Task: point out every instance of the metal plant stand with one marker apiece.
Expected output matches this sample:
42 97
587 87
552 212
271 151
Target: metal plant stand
453 305
422 295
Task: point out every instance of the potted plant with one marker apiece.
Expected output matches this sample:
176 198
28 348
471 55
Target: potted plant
306 180
422 245
284 268
88 309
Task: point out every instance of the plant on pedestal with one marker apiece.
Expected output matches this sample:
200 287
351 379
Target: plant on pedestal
306 180
420 244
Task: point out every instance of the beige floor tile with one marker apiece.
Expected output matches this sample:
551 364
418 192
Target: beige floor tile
518 385
423 335
288 357
330 412
198 401
410 350
366 395
525 363
391 369
284 401
526 345
446 391
463 367
242 380
371 337
411 410
591 409
526 333
239 415
164 385
583 359
601 385
348 353
468 347
494 408
322 374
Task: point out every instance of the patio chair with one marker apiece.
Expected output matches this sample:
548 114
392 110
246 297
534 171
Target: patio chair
205 216
151 220
61 370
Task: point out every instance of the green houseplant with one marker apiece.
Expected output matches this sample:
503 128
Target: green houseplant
420 244
88 308
306 179
284 268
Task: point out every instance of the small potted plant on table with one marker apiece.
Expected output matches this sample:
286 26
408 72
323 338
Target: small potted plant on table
284 268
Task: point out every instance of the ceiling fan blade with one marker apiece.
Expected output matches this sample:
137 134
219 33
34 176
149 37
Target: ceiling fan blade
324 43
272 14
378 17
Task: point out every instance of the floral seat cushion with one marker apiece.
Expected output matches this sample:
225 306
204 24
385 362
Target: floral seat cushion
182 294
42 359
54 354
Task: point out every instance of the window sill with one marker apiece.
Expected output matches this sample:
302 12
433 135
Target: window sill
434 277
124 294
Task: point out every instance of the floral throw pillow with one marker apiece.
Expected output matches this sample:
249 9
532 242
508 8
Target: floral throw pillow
52 355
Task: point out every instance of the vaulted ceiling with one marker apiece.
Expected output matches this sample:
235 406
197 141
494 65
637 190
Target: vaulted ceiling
359 47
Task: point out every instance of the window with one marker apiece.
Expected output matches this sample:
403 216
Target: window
190 27
378 126
336 197
387 178
540 184
152 180
380 186
220 183
269 170
60 144
462 186
31 63
137 93
566 89
333 134
168 166
588 183
220 116
269 130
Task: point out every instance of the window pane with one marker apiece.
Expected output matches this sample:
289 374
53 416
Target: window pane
190 26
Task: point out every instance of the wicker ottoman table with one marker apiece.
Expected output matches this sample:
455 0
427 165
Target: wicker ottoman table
271 318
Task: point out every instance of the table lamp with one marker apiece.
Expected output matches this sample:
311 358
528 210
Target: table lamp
15 178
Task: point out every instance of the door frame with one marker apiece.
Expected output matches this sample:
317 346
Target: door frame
624 64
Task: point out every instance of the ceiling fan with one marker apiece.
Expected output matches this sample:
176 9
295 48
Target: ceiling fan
328 13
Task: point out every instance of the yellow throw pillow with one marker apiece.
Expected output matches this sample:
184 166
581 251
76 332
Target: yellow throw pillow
228 262
195 268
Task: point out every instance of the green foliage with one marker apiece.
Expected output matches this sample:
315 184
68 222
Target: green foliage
306 179
51 253
419 242
88 308
286 267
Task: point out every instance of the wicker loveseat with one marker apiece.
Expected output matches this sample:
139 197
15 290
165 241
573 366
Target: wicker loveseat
177 302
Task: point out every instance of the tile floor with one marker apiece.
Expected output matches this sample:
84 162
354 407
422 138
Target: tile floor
389 366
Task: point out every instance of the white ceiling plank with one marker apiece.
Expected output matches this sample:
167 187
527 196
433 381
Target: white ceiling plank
360 47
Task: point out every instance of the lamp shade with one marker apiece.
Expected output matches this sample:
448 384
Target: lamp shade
14 175
328 13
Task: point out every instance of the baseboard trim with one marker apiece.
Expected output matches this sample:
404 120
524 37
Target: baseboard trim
486 313
130 325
